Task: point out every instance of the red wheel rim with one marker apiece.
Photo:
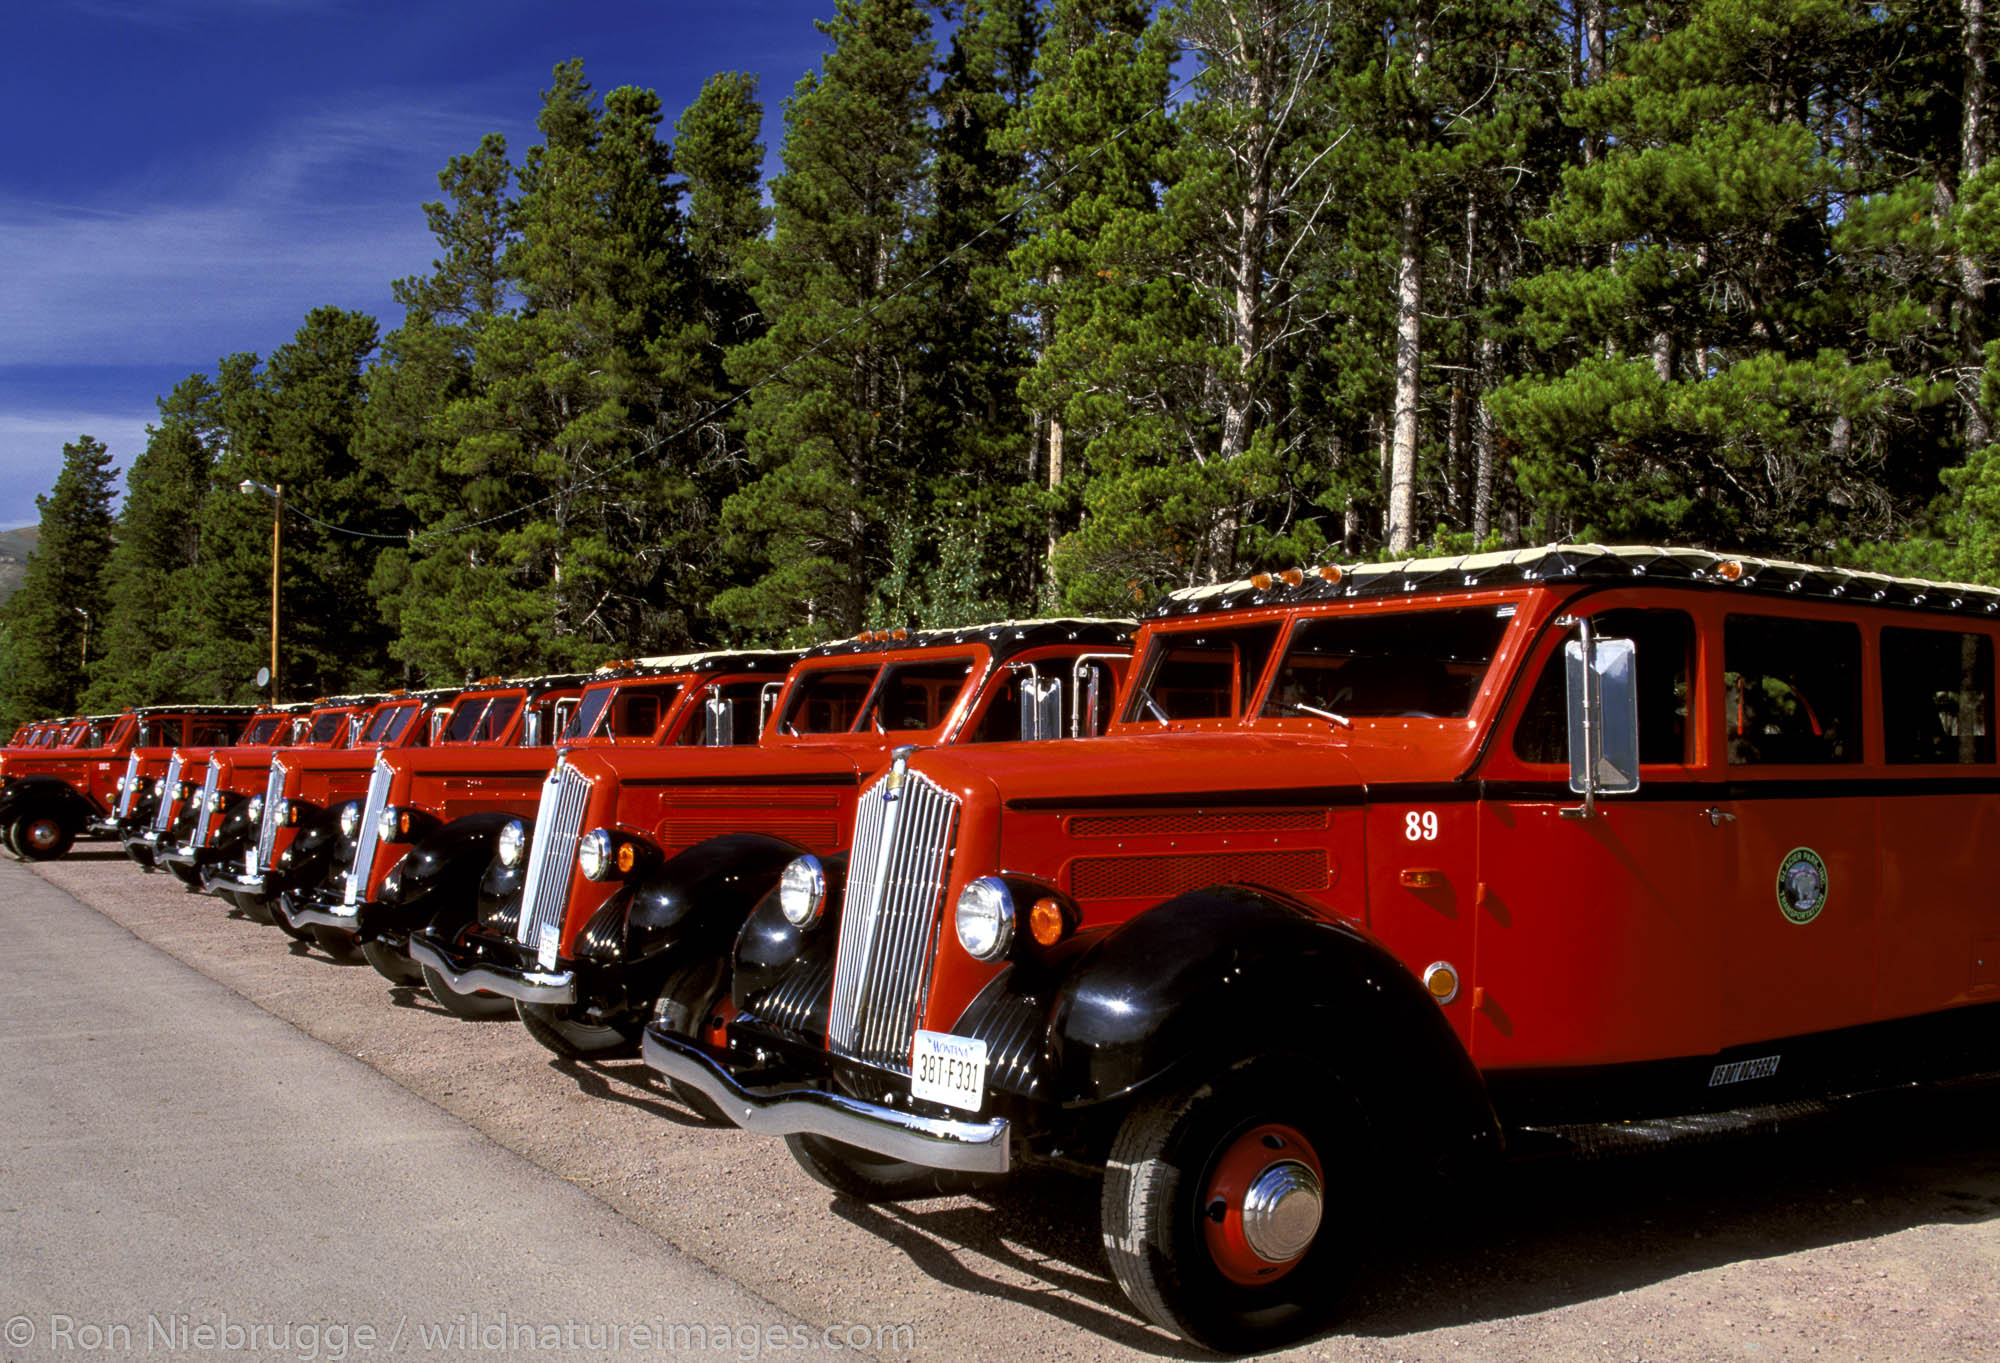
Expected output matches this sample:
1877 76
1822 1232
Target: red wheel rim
44 834
1259 1159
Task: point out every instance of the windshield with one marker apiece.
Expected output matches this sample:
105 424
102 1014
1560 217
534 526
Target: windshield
917 696
1420 664
481 719
627 713
264 730
326 726
1202 674
120 731
387 725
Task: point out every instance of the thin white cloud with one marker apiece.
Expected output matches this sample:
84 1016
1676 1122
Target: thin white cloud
119 282
31 452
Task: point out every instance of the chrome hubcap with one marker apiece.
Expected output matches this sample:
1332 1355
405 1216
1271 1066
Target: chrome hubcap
1281 1212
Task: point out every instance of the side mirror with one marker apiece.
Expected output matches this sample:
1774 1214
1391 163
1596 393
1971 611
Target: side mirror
531 727
1603 677
718 727
1041 708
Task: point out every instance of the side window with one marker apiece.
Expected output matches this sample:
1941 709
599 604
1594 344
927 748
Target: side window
1202 674
743 700
1937 696
1791 690
1664 642
636 714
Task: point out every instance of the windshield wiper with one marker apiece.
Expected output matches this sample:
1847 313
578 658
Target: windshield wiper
1329 716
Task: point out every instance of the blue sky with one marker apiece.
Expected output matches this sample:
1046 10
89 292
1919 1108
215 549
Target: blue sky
187 178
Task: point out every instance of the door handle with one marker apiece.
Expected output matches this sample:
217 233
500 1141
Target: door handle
1718 816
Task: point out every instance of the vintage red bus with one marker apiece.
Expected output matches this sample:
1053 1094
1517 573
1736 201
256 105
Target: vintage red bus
1401 862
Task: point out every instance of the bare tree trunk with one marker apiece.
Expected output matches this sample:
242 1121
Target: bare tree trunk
1482 441
1971 277
1402 535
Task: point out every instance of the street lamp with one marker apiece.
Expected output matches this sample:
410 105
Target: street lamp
277 496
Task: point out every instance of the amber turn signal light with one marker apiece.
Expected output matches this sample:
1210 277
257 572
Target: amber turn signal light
627 858
1046 922
1421 880
1261 581
1291 577
1729 570
1331 572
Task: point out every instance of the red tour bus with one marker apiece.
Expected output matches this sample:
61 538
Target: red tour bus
1384 867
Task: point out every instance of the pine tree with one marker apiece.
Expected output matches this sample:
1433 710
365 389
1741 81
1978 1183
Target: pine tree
45 619
158 545
831 428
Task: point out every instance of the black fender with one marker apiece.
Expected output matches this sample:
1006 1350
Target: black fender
499 900
236 831
783 974
49 795
439 879
1218 975
305 861
699 899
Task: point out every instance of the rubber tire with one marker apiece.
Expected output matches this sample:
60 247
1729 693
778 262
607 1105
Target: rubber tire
392 965
868 1177
687 997
40 837
1151 1213
551 1025
256 907
478 1006
342 946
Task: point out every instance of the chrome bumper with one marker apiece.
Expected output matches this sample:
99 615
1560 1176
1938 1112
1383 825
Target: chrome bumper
214 878
933 1142
326 911
523 986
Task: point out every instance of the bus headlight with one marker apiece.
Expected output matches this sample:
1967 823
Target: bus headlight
513 842
802 891
985 919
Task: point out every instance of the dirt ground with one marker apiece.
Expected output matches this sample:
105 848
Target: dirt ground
1868 1237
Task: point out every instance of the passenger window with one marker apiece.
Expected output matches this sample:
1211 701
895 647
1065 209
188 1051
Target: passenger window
1425 664
1664 644
1937 696
1205 674
637 714
742 699
1791 690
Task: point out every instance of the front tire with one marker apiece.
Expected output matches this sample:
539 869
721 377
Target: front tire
688 999
392 965
40 837
342 946
552 1025
1215 1215
868 1177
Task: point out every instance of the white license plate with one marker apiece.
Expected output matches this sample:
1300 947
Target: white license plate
250 862
948 1069
545 949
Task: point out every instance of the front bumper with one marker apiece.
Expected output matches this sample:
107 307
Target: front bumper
143 849
233 881
933 1142
327 909
467 976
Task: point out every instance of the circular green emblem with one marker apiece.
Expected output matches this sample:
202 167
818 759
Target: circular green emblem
1801 885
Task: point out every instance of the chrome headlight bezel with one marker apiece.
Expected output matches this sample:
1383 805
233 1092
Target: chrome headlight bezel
802 891
512 844
984 918
596 854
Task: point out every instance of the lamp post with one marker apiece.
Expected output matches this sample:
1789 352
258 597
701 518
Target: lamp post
277 496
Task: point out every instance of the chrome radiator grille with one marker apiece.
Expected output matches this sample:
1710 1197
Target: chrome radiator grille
131 790
163 816
267 830
365 839
205 804
545 884
889 919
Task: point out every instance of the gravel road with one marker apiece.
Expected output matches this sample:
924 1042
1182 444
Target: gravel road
1869 1237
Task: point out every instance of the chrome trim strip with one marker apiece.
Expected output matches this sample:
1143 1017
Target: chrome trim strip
304 912
267 828
933 1142
131 790
365 840
527 986
163 817
206 804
